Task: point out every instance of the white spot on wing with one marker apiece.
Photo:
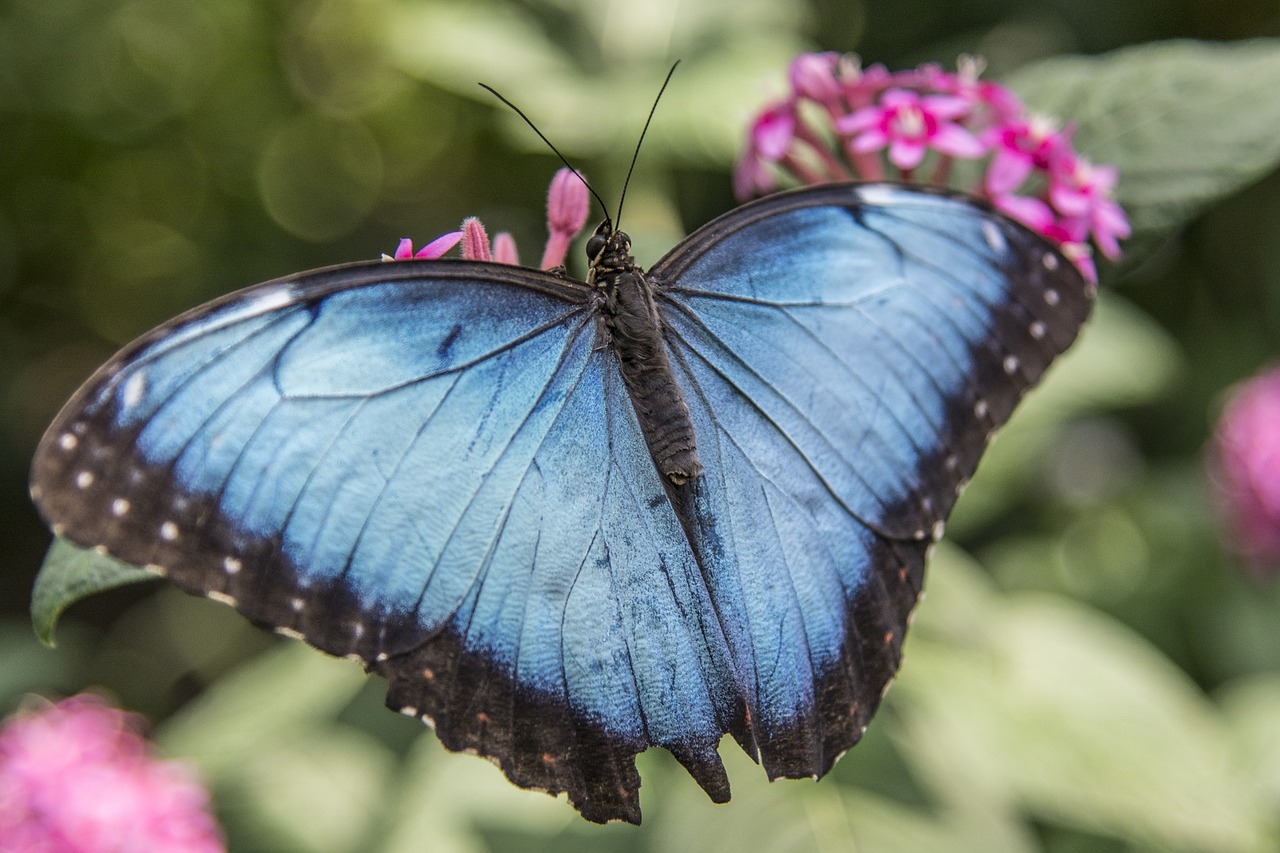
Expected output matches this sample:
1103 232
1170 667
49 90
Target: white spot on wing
991 233
231 565
168 531
67 441
1050 261
1037 330
84 479
119 507
939 528
296 603
290 633
1051 296
878 194
222 596
1010 364
409 711
134 388
270 300
980 408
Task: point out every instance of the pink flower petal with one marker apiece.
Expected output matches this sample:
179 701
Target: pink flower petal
946 106
751 176
860 120
773 130
437 247
813 76
1031 212
870 140
906 153
958 142
1007 170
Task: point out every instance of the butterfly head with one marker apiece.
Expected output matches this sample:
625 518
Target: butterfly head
608 249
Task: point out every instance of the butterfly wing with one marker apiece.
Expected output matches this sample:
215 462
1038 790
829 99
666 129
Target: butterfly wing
846 353
433 468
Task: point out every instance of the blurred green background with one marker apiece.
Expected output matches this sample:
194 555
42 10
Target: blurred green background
1089 672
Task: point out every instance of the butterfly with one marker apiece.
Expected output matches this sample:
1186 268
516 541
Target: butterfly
569 520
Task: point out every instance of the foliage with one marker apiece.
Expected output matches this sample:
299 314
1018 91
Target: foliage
1088 672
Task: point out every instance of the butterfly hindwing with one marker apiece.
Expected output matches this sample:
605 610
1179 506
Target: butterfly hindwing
846 354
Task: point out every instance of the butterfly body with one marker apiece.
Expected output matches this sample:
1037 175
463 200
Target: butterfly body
634 330
481 481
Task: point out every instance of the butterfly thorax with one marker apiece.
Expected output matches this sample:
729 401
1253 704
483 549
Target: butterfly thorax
633 328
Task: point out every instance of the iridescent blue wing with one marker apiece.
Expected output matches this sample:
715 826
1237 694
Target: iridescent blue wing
846 354
433 468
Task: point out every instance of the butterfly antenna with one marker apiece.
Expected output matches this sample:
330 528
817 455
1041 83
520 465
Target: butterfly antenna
556 151
618 219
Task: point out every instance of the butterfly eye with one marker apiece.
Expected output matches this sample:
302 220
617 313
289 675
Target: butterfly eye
597 241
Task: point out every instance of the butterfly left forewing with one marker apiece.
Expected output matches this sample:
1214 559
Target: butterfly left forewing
434 468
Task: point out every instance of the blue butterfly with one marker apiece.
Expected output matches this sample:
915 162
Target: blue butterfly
571 520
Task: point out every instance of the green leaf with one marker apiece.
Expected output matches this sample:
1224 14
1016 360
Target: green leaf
292 687
1185 122
313 789
1252 707
1054 709
69 574
443 796
732 50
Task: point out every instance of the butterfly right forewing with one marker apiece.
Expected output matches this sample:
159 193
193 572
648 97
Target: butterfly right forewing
846 353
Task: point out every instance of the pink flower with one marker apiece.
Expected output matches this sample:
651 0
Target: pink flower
814 76
909 125
75 777
873 124
1020 146
862 85
1081 192
1031 212
1245 463
773 130
475 242
504 249
434 249
567 208
1001 104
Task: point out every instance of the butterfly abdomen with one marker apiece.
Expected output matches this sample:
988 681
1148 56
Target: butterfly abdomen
635 333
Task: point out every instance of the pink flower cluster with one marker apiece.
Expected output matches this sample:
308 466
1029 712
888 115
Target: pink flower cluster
75 777
1246 467
843 122
567 208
